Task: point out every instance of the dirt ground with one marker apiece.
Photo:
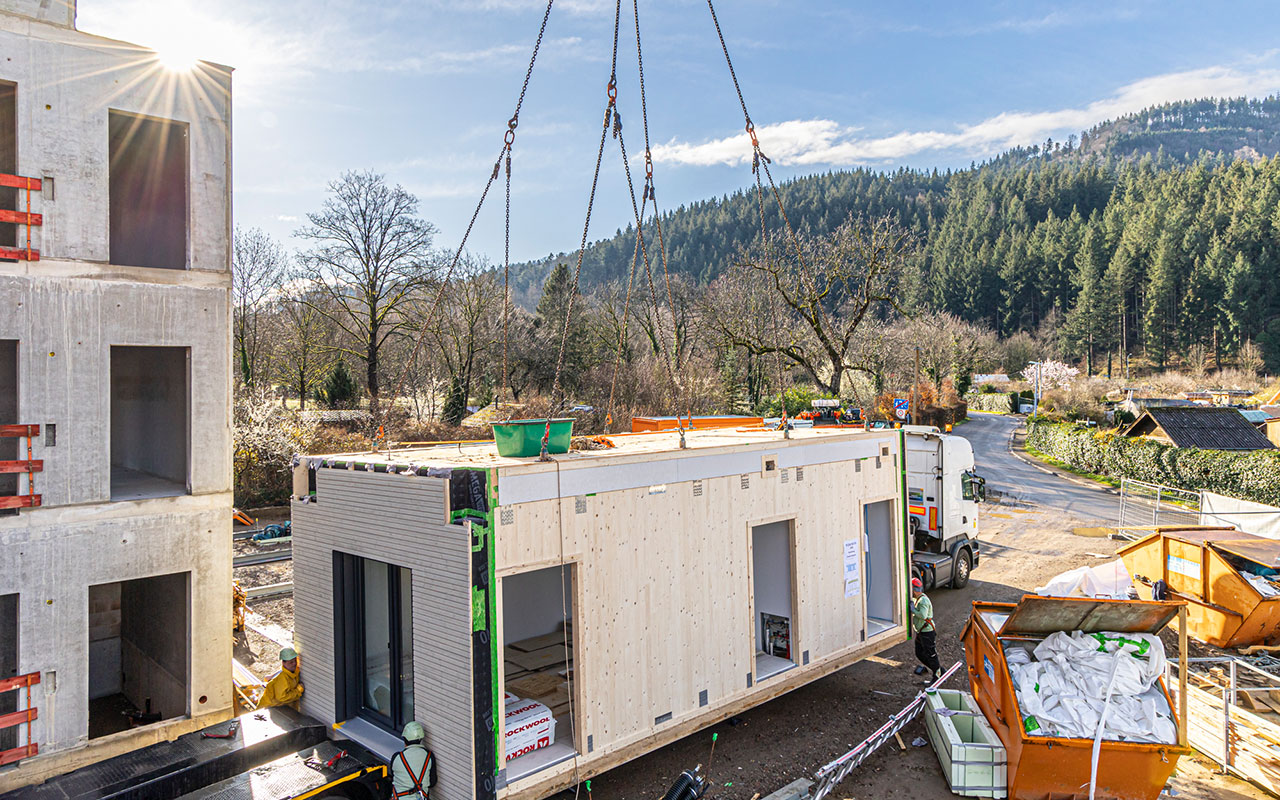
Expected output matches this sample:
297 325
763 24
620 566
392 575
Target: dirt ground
257 652
790 737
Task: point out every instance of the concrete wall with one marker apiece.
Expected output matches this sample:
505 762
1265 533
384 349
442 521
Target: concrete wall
68 83
67 310
58 12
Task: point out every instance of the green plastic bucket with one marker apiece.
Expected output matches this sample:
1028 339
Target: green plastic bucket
522 438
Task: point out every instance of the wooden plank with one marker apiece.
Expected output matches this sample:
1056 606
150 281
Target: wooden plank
538 659
541 642
535 686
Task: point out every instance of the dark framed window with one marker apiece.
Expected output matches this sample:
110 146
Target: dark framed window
373 621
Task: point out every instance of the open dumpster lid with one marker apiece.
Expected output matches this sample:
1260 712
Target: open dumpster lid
1041 616
1254 548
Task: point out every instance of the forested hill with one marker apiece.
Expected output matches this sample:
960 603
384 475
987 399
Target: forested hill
1160 252
1171 133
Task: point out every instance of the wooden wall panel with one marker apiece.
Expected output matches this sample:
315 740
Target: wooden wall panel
665 575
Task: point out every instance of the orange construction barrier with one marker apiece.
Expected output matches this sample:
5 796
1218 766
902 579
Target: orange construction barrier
655 424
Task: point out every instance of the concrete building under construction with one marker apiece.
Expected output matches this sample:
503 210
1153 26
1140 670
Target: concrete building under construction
115 388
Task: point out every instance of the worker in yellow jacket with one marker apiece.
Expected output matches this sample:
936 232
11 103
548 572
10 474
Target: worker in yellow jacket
285 687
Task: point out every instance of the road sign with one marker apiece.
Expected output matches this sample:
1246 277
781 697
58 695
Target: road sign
900 407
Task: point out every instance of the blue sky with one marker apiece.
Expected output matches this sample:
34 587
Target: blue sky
421 90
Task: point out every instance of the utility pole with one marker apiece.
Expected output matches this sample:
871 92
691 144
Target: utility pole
915 393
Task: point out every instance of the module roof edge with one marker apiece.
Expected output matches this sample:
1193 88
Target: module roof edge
484 454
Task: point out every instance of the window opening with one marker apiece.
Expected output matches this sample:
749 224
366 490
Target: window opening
148 191
9 445
537 619
138 652
8 160
150 428
8 666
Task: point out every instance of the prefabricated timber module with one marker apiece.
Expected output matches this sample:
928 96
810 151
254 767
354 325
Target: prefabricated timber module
547 621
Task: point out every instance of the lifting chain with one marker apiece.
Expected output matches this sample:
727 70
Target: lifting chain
508 139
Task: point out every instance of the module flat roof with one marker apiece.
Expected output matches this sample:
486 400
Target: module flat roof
485 454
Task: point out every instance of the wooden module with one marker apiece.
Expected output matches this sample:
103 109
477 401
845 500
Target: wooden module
667 559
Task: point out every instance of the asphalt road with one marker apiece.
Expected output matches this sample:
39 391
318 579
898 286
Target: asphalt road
1024 483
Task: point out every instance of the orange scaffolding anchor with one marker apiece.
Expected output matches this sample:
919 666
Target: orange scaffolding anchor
17 217
27 466
23 716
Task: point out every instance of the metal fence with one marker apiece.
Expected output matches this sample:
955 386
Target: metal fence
1143 505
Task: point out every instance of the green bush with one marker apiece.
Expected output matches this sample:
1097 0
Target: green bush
1001 403
1249 475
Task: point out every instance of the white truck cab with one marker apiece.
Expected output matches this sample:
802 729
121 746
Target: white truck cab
943 492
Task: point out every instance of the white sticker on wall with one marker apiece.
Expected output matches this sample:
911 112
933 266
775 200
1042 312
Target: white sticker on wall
851 572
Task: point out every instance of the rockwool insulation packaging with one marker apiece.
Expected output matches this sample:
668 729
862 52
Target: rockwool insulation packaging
529 726
1065 683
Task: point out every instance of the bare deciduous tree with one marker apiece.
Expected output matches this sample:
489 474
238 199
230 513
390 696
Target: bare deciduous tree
305 337
819 295
258 265
370 254
468 324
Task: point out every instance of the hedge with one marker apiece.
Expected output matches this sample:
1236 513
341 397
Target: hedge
999 402
1249 474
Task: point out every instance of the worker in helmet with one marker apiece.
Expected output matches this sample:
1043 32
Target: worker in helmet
925 631
285 687
413 770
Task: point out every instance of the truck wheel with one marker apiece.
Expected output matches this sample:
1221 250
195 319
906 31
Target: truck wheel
964 565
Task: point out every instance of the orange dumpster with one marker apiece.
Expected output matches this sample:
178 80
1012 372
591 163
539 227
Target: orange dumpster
1220 573
1052 767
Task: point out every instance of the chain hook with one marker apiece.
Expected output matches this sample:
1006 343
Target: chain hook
751 131
613 91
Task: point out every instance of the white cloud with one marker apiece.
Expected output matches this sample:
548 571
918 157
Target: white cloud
455 61
287 218
826 142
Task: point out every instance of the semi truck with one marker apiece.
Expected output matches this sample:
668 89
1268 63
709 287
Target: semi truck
943 492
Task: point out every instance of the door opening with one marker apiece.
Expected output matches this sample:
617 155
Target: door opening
139 652
772 559
877 519
537 633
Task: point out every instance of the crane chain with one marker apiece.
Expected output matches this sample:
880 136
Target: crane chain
508 140
610 113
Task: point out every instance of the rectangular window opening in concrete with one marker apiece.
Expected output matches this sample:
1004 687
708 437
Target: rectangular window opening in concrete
139 652
772 565
148 191
9 482
150 422
537 622
8 665
8 159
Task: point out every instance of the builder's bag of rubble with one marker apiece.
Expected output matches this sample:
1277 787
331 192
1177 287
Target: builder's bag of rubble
1075 690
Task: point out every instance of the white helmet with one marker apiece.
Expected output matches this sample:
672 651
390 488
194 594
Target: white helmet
413 732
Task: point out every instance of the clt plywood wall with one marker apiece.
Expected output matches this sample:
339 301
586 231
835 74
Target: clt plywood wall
663 586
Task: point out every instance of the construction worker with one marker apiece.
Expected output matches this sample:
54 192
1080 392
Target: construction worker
285 687
926 634
413 768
